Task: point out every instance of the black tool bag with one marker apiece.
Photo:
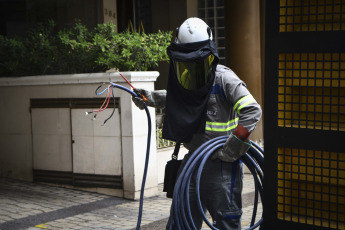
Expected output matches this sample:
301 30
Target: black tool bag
171 169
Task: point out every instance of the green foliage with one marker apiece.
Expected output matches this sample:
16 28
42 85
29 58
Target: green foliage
163 143
40 48
77 50
130 51
12 55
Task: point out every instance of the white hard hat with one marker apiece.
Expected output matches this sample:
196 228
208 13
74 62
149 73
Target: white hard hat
193 30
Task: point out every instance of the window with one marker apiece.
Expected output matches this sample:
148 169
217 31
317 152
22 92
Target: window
212 12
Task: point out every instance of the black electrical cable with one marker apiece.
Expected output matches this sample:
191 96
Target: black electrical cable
112 113
141 200
182 218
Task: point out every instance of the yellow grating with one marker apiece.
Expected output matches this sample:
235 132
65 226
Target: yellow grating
311 187
311 91
312 15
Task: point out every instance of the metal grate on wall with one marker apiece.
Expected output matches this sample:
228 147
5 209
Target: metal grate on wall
311 15
311 187
311 91
212 12
305 118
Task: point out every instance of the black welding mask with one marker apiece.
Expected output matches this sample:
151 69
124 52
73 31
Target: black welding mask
191 76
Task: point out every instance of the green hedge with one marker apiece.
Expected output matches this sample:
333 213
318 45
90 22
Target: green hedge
45 50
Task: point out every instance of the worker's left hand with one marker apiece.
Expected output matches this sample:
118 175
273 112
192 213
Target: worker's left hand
232 150
155 98
139 102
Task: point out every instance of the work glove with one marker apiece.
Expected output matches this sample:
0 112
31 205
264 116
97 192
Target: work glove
232 150
153 98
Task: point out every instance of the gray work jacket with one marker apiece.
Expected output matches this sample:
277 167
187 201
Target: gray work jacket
230 104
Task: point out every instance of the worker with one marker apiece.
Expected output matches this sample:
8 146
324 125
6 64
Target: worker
205 100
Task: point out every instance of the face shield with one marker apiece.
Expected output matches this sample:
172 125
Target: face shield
194 75
191 75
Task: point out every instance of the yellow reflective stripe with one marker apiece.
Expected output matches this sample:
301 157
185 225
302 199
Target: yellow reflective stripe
239 101
221 126
220 129
243 102
222 123
248 102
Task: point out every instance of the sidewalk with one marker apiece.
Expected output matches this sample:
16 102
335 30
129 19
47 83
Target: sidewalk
25 205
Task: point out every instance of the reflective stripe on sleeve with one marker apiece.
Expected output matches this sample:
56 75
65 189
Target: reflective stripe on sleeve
221 126
244 101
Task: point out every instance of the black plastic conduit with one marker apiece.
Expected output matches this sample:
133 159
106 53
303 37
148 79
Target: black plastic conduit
182 218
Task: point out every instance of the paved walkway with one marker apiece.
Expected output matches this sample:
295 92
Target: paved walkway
30 206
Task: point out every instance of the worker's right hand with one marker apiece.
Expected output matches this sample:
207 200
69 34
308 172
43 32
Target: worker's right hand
232 150
153 98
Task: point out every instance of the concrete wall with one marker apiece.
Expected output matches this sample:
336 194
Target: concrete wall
16 142
110 12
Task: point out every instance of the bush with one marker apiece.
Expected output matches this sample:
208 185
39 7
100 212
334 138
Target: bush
12 55
77 50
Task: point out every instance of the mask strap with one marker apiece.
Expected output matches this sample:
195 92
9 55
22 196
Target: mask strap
176 36
209 32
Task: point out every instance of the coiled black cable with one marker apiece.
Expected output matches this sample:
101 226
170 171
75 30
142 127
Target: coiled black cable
182 218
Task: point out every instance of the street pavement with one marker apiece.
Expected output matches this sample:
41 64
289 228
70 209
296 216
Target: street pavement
33 206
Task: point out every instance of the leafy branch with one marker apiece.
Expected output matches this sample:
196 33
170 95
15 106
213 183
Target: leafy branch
78 50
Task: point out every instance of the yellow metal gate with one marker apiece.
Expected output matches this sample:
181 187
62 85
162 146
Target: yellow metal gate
304 109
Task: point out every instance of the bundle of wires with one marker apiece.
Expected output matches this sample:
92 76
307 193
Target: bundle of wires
105 104
182 218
